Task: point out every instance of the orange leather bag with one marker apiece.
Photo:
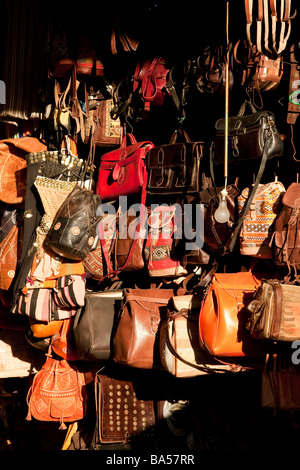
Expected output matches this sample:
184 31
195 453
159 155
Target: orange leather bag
57 393
223 316
13 167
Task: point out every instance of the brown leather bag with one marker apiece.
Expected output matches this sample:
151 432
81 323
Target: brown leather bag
121 415
127 225
57 393
13 167
135 341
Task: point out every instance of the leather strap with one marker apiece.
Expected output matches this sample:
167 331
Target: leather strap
252 194
110 268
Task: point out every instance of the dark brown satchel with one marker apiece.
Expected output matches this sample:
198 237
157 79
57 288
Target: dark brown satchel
174 168
250 136
135 341
121 416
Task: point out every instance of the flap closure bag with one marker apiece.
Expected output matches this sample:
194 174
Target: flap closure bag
121 415
174 168
122 171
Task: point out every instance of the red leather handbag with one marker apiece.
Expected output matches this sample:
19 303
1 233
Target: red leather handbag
123 171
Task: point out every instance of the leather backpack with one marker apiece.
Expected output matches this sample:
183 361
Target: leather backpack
285 239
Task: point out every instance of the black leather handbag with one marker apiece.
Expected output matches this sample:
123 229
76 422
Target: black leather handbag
73 230
94 323
174 168
249 136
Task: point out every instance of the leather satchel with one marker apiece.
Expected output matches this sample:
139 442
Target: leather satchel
223 316
93 324
123 171
73 230
275 313
174 168
180 351
121 416
250 137
135 340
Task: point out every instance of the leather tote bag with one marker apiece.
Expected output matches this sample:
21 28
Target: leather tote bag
122 172
223 316
174 168
93 324
135 341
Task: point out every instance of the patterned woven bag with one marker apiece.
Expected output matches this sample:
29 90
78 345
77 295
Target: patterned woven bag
258 226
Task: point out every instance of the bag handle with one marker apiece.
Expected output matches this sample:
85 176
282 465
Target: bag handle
183 134
203 368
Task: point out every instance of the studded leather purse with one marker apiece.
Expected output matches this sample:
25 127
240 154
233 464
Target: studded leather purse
121 416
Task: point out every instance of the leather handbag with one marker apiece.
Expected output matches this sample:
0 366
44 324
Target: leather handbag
180 351
93 324
280 383
124 257
95 263
135 339
249 137
57 393
223 316
63 341
14 167
149 82
73 231
122 172
174 168
275 314
121 415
